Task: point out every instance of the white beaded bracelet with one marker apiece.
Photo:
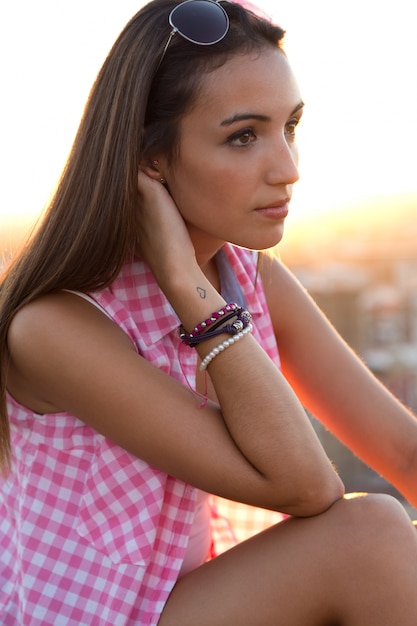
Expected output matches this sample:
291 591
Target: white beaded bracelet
225 344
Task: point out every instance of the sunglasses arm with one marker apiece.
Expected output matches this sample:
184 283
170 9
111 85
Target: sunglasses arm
172 33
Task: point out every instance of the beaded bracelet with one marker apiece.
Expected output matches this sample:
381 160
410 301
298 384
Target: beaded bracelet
213 319
190 338
242 318
223 346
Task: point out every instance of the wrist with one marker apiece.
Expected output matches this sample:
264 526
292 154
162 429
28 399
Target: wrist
192 296
230 319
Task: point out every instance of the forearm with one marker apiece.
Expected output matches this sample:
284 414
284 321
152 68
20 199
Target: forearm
353 404
386 436
263 415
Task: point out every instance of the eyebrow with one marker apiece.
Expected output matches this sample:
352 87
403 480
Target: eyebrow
241 117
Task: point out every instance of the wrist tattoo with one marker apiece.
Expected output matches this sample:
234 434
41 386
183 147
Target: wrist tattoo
201 292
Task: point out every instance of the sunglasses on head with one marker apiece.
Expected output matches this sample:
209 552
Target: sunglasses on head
203 22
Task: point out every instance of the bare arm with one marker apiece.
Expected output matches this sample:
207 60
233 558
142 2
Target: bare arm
335 385
256 447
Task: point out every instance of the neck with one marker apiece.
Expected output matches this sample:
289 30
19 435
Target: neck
205 252
211 273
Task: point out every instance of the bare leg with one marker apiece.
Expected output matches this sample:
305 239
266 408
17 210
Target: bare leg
354 565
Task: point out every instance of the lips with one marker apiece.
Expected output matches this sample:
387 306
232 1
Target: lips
277 210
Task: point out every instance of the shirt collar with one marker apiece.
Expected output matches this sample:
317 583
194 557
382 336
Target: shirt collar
149 307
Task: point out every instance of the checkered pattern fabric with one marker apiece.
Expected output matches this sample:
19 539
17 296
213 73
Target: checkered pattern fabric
233 522
90 535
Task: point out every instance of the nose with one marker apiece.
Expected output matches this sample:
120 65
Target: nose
283 162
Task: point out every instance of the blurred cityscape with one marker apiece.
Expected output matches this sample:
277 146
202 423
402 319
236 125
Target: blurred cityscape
361 268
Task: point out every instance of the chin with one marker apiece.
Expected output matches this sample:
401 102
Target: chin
259 239
262 242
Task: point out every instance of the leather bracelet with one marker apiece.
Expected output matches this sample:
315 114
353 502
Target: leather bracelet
216 318
243 319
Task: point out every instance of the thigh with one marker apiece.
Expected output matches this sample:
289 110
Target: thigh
302 571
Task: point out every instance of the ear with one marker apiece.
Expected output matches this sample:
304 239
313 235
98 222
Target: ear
152 169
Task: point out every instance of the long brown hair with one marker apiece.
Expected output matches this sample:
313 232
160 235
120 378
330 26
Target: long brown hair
91 226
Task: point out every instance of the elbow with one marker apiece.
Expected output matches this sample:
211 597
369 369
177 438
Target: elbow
317 498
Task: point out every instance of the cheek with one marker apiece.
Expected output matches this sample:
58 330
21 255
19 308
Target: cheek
198 188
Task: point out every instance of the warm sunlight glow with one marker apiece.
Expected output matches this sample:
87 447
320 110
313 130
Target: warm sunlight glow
355 65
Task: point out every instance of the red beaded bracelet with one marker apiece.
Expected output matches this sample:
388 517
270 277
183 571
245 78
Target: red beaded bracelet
216 325
214 317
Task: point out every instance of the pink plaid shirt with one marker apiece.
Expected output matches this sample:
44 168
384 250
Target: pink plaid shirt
89 534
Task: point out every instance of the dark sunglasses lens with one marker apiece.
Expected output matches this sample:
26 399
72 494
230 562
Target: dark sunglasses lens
200 21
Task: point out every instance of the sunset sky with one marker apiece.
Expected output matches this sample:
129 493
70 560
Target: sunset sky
355 63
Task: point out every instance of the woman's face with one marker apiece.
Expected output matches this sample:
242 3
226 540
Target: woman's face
237 163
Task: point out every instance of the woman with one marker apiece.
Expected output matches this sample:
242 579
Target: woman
139 336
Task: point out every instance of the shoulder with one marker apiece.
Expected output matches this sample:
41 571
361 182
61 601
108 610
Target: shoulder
52 317
288 301
51 334
276 276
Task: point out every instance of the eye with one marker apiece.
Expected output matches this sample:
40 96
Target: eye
242 138
291 126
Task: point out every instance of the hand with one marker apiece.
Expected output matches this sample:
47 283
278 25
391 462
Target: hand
163 236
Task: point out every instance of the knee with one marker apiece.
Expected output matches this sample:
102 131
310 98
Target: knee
376 507
377 520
